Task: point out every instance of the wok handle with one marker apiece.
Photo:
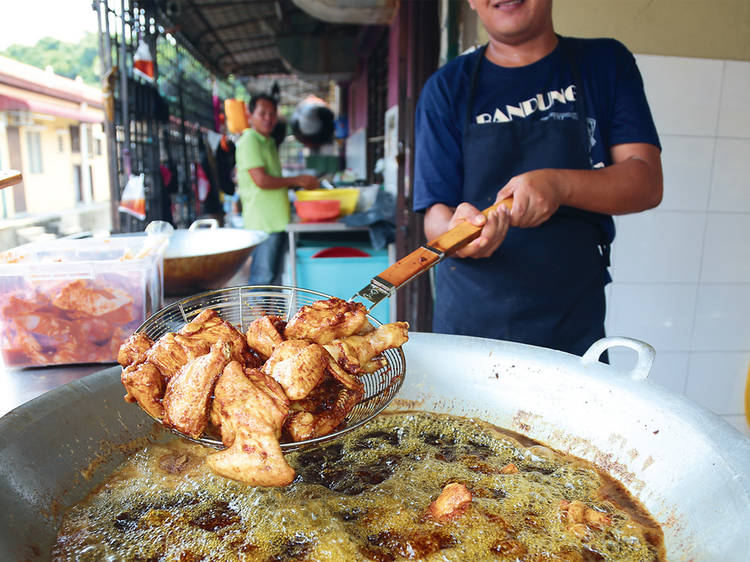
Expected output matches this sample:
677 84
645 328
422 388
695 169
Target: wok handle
424 258
646 354
209 224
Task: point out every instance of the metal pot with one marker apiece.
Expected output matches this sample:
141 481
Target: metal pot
689 468
205 256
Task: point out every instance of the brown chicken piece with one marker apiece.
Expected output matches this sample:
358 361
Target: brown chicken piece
169 356
208 328
579 518
133 351
355 353
189 391
250 408
145 385
327 320
451 503
323 410
264 334
298 366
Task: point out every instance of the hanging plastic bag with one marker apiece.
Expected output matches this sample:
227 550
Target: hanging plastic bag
143 62
133 199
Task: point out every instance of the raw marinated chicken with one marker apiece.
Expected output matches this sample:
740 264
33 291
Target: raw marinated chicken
323 410
145 385
355 353
81 297
250 408
325 321
264 334
186 399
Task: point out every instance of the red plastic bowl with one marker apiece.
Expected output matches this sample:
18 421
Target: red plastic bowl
318 211
341 252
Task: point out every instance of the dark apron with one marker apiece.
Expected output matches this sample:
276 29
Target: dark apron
544 285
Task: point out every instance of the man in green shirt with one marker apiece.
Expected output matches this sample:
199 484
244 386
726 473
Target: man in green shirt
263 190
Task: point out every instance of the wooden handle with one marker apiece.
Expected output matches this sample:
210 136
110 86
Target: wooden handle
423 259
9 177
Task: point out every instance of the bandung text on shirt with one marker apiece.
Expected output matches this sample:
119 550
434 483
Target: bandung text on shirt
540 102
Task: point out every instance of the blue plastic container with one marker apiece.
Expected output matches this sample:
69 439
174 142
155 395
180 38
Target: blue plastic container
341 277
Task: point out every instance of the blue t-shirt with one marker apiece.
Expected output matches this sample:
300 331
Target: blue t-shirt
616 107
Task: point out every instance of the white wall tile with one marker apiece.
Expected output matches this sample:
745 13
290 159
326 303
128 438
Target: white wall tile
683 93
730 184
656 246
722 318
726 249
670 369
734 111
739 423
717 381
687 164
659 314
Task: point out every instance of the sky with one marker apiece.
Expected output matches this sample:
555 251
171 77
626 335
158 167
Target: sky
26 21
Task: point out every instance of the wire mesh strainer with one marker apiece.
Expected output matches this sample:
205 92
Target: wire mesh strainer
240 306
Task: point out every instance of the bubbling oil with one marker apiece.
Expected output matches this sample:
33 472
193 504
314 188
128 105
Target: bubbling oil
363 497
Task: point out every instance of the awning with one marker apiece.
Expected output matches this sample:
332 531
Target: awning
64 110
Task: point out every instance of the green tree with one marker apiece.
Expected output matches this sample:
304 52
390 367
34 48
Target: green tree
67 59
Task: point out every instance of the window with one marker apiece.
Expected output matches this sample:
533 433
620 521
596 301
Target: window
60 143
75 138
98 143
34 151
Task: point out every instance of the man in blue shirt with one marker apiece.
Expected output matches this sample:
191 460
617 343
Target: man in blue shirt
562 126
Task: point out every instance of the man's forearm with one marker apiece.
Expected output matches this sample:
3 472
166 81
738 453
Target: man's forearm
266 181
629 186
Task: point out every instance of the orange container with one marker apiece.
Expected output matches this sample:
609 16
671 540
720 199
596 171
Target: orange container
235 112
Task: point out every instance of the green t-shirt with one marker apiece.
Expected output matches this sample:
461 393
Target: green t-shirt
262 209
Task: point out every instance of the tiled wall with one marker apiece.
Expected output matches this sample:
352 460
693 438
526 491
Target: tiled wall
682 271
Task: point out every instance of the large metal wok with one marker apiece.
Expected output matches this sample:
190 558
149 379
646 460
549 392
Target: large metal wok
205 257
689 468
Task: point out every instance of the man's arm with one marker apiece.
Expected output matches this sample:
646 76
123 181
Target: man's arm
266 181
631 184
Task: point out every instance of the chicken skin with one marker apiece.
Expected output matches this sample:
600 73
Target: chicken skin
187 396
145 385
264 334
250 408
355 353
208 328
325 321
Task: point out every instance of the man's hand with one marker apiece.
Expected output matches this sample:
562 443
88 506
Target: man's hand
306 181
495 227
536 197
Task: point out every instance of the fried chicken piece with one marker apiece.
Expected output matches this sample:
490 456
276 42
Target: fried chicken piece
145 385
189 391
133 351
208 327
322 410
250 408
451 503
298 366
264 334
326 320
169 356
355 353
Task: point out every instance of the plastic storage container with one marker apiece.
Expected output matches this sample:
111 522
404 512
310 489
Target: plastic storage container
341 276
75 301
347 195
